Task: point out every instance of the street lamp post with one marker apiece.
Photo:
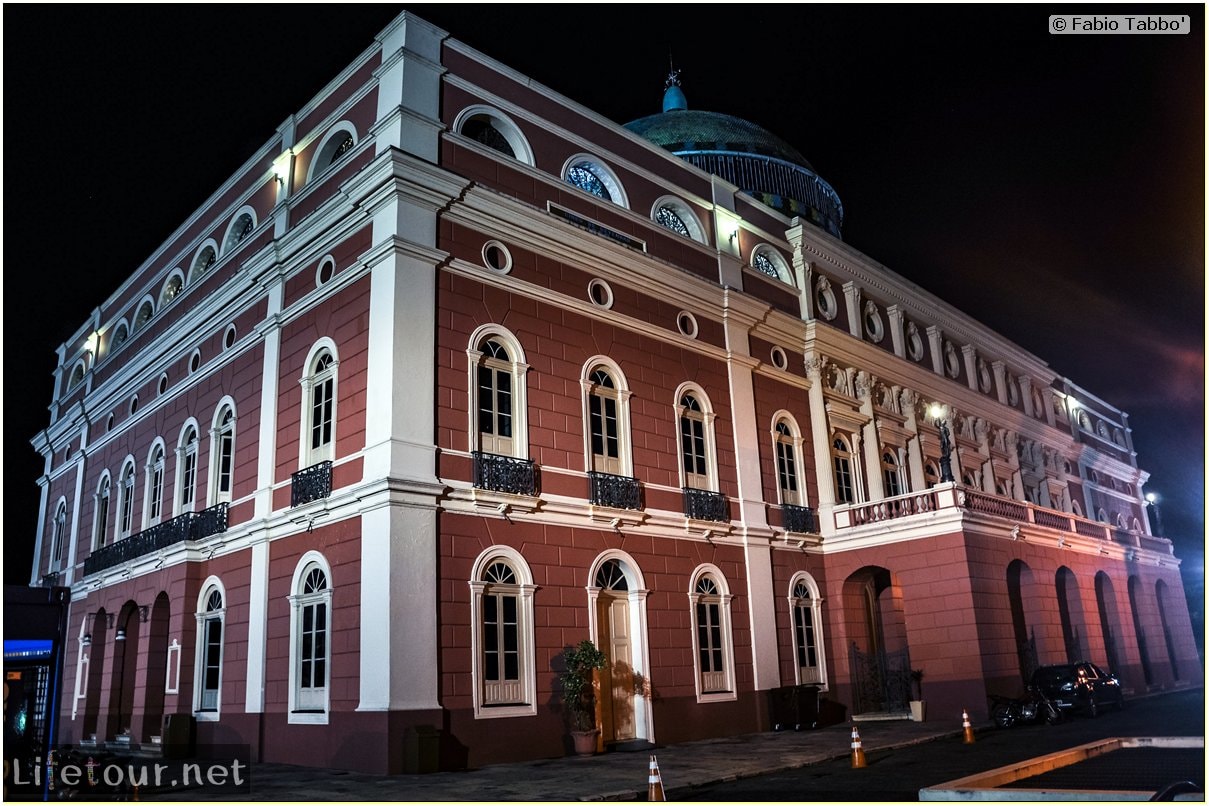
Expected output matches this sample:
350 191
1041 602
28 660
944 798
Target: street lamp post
946 447
1153 501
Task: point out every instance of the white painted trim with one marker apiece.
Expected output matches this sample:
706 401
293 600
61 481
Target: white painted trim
728 642
644 715
816 613
525 629
311 558
602 171
201 616
503 124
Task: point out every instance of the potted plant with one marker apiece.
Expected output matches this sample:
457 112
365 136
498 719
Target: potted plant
917 704
579 693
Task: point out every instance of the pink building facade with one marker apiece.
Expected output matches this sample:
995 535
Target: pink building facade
434 387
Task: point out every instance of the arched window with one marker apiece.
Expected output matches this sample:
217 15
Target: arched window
222 455
101 522
319 407
186 470
592 176
494 129
786 444
153 511
501 591
892 473
77 376
672 213
714 658
1075 508
340 140
931 474
210 615
767 260
970 478
146 311
241 227
806 607
58 536
697 460
126 502
172 288
497 383
1101 515
606 413
841 463
120 334
310 645
205 260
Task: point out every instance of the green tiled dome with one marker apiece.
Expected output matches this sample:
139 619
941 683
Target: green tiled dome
696 130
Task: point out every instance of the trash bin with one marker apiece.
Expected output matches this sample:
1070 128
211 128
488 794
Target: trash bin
793 707
179 735
422 749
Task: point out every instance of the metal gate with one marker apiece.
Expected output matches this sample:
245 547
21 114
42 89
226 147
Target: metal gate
881 681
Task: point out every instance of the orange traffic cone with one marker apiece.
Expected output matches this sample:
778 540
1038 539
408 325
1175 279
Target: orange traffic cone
654 789
968 732
858 752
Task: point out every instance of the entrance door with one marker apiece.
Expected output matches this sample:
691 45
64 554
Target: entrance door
616 681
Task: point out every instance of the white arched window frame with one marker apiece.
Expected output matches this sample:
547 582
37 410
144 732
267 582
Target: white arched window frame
211 616
499 401
320 383
606 417
100 518
310 640
633 584
153 492
126 499
591 175
121 334
767 260
787 458
144 313
339 141
241 226
186 468
58 536
222 452
713 640
172 287
673 213
503 662
203 260
806 607
894 480
843 468
695 438
477 123
77 375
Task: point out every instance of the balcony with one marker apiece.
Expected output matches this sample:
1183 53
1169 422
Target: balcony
618 492
798 519
705 505
311 484
189 526
504 474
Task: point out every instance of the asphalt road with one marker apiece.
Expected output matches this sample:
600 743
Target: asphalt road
898 775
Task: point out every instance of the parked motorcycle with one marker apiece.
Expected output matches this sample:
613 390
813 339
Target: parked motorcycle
1033 707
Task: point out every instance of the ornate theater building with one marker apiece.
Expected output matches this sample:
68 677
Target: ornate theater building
454 373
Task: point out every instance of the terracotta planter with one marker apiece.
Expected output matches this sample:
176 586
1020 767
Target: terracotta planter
585 742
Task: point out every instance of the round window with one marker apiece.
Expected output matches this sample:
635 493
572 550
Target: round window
779 359
600 293
327 270
687 324
497 257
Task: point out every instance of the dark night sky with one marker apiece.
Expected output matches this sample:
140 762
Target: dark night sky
1051 186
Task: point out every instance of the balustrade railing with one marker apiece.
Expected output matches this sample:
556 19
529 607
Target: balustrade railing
705 505
504 474
898 507
798 519
609 490
187 526
311 484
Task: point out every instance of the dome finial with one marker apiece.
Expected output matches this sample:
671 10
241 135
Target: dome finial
673 96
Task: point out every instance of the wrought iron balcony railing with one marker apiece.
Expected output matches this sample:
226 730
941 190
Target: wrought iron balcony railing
311 484
504 474
705 505
188 526
619 492
798 519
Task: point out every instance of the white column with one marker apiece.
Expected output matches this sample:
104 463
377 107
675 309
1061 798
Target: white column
267 440
73 536
258 609
409 88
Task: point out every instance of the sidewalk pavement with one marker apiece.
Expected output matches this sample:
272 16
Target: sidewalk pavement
606 776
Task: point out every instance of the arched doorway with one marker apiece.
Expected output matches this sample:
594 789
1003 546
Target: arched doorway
617 609
1024 599
1139 634
1110 622
125 670
1070 612
879 659
157 666
1160 596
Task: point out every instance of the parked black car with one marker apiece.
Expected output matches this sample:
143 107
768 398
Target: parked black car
1081 686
